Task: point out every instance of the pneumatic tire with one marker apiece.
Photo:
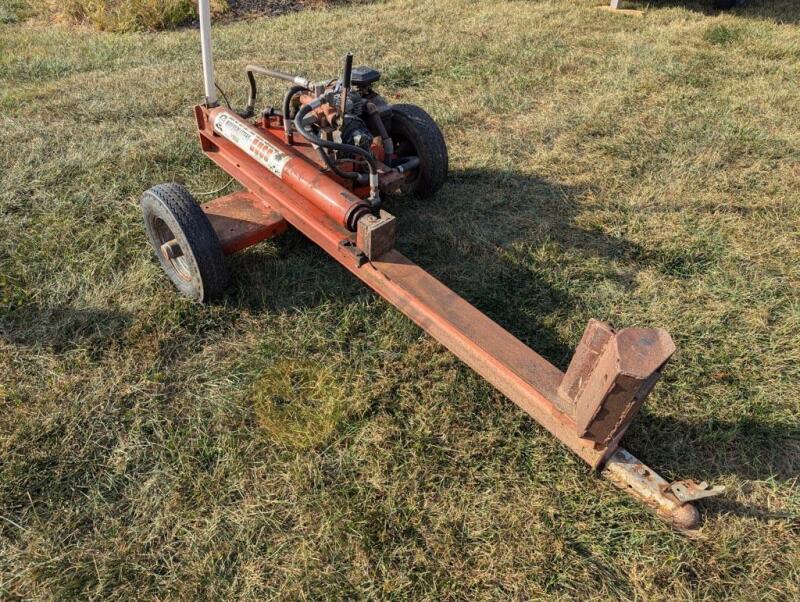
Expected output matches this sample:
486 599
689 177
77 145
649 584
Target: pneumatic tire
184 242
415 133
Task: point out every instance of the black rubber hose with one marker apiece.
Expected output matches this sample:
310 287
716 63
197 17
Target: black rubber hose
407 164
374 119
346 148
250 109
360 178
287 99
347 175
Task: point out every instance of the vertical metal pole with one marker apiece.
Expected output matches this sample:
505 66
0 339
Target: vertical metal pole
346 76
205 47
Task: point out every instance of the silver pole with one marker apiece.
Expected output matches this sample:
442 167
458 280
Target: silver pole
205 47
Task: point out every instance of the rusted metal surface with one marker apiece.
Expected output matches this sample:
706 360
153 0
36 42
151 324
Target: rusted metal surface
242 220
691 491
273 125
610 376
171 250
375 235
513 368
390 180
594 340
295 208
516 370
643 483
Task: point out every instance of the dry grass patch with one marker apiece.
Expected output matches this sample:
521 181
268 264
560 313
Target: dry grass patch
300 404
128 15
145 15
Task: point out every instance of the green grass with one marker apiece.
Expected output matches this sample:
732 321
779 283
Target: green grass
12 11
301 439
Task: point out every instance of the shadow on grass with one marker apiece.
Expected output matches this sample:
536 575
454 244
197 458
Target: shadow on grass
62 328
780 11
717 448
494 237
710 449
490 236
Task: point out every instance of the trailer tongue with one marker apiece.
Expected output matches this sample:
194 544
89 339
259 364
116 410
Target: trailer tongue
322 165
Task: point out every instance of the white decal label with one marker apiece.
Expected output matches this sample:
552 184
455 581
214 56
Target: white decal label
251 142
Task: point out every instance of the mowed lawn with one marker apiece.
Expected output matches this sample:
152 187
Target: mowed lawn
301 439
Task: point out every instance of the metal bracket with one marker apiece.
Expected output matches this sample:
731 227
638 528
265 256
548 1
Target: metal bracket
670 501
690 491
641 482
350 249
376 235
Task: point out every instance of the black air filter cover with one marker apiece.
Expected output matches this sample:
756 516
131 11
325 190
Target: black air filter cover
364 76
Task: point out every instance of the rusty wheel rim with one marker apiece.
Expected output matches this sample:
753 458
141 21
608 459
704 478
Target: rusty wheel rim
171 250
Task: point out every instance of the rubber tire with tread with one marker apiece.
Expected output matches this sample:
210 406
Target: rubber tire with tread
411 123
206 275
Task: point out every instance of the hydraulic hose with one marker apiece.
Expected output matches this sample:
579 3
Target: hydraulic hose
408 164
360 178
287 123
287 108
346 148
374 119
287 99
